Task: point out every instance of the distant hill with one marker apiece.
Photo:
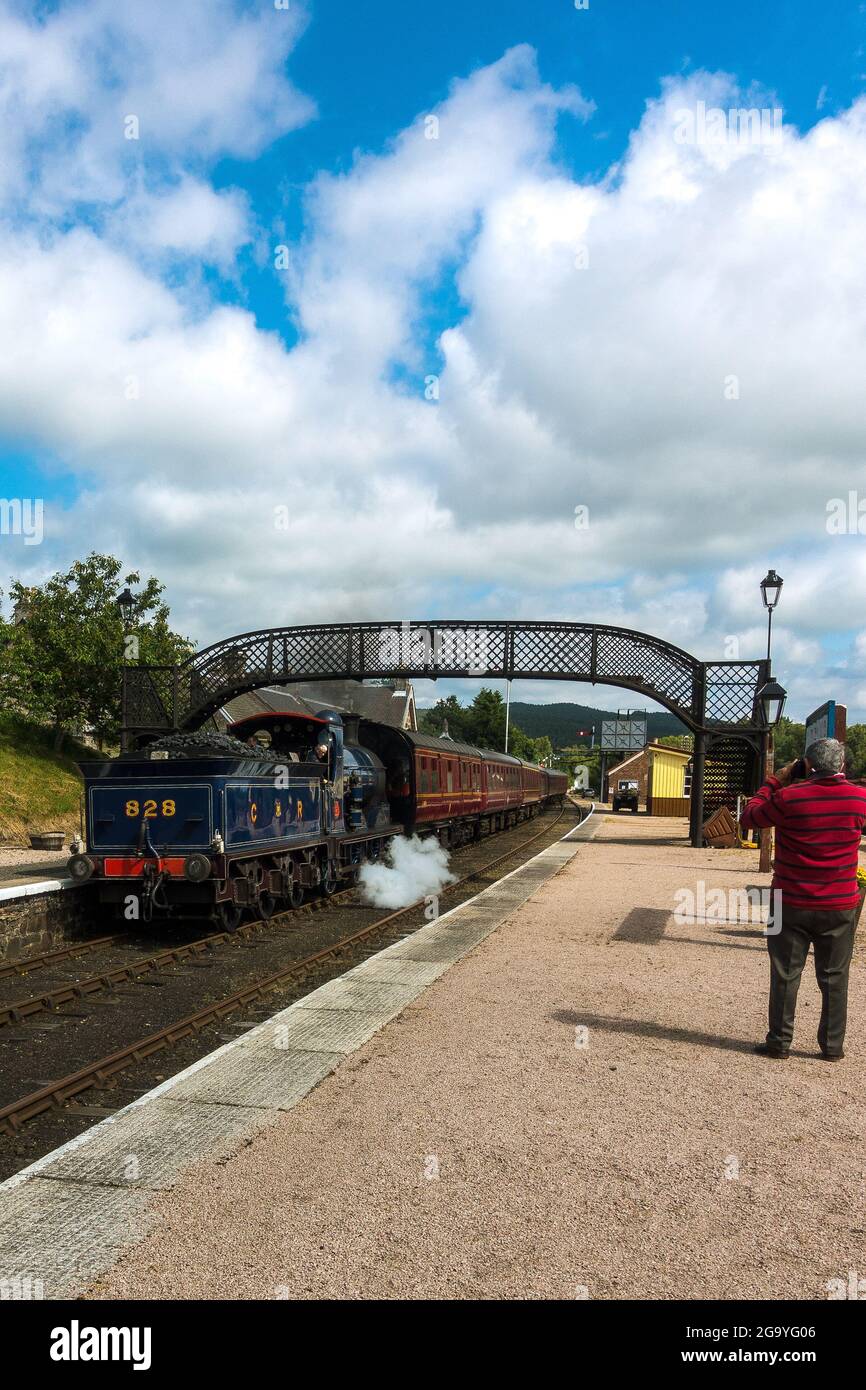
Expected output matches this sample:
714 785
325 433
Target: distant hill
561 722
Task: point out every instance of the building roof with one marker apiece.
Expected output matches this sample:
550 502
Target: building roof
633 757
384 704
683 753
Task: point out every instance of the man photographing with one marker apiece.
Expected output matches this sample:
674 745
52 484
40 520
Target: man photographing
819 817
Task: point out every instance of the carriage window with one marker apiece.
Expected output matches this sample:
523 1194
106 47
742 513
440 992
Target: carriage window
435 776
450 775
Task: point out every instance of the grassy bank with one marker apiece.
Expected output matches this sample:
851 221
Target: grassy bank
39 789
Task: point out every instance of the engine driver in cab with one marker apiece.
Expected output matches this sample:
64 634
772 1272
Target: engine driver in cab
321 752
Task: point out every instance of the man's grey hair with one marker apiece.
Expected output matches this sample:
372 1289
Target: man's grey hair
827 755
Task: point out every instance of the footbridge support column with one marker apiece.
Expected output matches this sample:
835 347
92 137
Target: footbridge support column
697 801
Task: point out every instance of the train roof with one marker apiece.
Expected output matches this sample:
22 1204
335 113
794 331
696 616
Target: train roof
468 750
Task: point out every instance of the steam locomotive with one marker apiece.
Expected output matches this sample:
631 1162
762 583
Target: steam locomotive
283 805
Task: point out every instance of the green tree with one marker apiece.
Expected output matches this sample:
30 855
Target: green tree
450 711
5 639
684 741
855 742
63 657
532 750
483 724
520 745
487 720
788 741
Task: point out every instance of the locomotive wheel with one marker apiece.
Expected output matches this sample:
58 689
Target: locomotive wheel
267 906
296 894
228 915
329 880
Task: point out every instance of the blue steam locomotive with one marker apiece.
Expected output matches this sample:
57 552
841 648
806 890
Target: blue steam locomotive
250 822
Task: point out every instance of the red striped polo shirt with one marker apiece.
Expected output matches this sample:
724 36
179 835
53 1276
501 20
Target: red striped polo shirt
818 825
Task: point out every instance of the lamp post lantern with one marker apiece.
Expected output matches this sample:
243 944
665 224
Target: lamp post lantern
125 603
771 588
771 699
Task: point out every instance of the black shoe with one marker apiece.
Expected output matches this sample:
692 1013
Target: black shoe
832 1056
778 1054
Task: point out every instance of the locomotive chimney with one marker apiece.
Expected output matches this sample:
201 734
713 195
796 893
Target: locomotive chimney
350 727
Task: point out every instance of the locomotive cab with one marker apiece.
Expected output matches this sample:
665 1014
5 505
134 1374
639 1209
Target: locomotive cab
295 737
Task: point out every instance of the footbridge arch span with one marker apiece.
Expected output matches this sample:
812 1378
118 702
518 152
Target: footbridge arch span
716 700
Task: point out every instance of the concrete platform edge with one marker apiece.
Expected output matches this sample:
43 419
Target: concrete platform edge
33 890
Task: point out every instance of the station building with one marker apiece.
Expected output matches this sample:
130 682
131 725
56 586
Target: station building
663 775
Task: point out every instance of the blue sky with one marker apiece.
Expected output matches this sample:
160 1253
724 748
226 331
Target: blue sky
373 67
166 388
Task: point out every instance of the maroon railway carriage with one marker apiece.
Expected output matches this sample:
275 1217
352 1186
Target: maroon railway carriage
456 789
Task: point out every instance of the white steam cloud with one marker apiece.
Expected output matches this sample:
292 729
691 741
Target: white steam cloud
412 869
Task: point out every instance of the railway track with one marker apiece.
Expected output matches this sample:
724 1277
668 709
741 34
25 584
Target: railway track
56 1094
18 1009
62 953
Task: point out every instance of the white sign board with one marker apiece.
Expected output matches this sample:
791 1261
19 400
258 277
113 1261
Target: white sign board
623 735
827 722
818 725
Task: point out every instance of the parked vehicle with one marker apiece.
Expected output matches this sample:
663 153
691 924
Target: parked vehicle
625 796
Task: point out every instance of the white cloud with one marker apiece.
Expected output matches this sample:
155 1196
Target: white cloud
202 79
602 386
187 219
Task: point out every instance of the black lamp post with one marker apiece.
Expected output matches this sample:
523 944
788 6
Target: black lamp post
125 603
771 588
771 698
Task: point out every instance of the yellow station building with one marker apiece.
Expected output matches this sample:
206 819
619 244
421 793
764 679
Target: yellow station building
663 775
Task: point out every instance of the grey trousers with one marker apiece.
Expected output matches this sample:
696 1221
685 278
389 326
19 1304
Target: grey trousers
831 935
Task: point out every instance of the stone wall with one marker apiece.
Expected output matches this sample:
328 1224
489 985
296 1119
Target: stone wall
44 921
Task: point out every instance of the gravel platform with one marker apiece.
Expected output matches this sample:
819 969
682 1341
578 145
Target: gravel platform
572 1111
26 865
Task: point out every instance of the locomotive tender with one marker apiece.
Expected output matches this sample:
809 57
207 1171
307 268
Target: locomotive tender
209 825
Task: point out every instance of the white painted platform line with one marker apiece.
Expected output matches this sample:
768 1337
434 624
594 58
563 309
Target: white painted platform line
31 890
587 827
66 1218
